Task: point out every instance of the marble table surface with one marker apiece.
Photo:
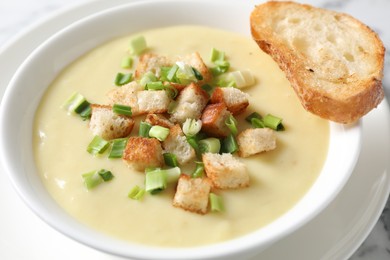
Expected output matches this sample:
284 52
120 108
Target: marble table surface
17 15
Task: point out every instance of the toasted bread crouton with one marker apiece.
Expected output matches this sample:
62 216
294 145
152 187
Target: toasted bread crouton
108 125
256 140
157 119
152 101
225 171
196 61
213 120
192 194
190 103
153 63
126 95
235 100
177 144
143 152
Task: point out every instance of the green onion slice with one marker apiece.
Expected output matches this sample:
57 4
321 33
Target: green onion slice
172 107
144 129
197 74
123 78
253 115
156 85
171 91
127 62
137 45
159 132
121 109
155 181
117 148
209 145
136 193
199 170
273 122
77 103
105 175
229 144
257 123
97 146
86 113
216 203
192 126
231 123
217 55
91 179
170 159
146 78
171 75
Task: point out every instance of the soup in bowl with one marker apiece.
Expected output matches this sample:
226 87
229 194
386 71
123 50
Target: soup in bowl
44 148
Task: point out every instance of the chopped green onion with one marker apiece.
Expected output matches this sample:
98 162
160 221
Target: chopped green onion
209 145
208 88
105 175
257 123
118 146
192 126
185 74
172 107
197 74
136 193
159 132
229 144
137 45
199 170
155 181
97 146
217 55
194 144
242 78
86 113
273 122
127 62
216 71
122 78
91 179
171 91
231 123
144 129
172 73
146 78
170 159
156 85
121 110
172 174
76 103
253 115
216 203
224 82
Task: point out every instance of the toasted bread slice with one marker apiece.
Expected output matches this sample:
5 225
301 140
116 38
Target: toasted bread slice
333 61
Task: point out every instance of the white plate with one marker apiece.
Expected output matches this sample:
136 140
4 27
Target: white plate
334 234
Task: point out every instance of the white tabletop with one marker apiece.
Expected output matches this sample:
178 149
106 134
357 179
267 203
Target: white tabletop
17 15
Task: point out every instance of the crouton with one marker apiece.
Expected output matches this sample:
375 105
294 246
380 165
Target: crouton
235 100
108 125
152 101
196 61
192 194
213 120
153 63
176 143
157 119
256 140
126 95
225 171
190 103
142 152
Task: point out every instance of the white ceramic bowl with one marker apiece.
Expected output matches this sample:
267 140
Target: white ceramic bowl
41 67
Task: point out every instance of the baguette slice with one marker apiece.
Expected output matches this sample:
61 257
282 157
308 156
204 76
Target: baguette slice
333 61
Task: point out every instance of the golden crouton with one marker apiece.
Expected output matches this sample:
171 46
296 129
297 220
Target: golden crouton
142 152
152 101
213 120
225 171
153 63
256 140
157 119
235 100
126 95
190 103
196 61
192 194
176 143
108 125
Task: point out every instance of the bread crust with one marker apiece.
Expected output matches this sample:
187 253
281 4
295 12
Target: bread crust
343 101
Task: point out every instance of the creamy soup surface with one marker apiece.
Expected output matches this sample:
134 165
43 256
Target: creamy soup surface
278 179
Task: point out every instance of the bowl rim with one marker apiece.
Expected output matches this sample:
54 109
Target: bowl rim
249 243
